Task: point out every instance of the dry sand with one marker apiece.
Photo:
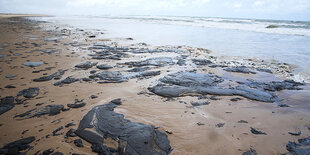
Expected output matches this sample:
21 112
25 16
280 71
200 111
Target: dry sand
181 119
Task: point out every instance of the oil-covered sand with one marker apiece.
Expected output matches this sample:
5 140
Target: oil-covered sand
177 100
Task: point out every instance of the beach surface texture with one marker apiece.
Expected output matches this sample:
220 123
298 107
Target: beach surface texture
69 90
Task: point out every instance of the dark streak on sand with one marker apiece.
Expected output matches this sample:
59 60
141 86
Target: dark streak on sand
132 137
111 65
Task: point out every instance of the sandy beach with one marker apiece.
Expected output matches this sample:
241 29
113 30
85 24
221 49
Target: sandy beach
9 15
70 91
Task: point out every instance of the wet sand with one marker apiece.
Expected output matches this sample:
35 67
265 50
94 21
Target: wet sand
193 130
4 15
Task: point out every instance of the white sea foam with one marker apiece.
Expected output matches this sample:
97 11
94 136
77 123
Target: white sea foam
283 27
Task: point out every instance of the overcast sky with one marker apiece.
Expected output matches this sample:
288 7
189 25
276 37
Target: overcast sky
261 9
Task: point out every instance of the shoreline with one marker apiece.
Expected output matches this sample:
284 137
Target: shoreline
190 129
9 15
287 48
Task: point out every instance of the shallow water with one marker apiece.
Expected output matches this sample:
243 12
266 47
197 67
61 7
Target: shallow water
286 44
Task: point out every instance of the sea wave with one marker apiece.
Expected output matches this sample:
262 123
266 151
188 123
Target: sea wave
256 25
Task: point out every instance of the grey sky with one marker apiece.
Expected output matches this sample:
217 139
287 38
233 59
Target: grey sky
262 9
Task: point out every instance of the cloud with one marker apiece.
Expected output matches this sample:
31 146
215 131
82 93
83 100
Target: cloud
271 9
136 3
259 3
237 5
92 3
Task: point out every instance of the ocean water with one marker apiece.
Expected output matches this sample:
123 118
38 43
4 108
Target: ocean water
289 42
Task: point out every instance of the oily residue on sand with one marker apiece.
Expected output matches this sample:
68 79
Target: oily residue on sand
184 99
